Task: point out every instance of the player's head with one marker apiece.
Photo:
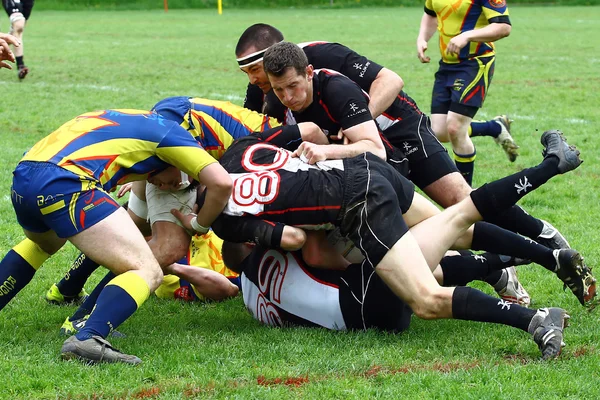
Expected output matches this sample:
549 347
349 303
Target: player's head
170 179
290 75
250 49
234 254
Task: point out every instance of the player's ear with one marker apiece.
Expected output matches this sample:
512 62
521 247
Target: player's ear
309 72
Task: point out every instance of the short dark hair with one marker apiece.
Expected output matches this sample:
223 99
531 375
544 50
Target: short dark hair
234 254
282 56
260 36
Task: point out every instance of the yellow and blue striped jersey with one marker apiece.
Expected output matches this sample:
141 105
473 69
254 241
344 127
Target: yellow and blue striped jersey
112 147
215 124
457 16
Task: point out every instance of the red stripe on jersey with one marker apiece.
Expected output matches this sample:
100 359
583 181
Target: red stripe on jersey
302 265
296 209
326 110
467 15
410 103
274 135
269 222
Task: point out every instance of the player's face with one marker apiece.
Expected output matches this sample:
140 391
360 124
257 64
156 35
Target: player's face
256 73
257 76
292 89
169 179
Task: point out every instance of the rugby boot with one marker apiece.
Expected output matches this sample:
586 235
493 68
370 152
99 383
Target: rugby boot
54 296
555 144
547 327
510 289
551 237
571 269
94 350
504 139
23 71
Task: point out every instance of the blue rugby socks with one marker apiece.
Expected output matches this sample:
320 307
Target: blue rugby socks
120 298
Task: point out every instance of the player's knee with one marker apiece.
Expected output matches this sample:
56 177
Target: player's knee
168 249
155 278
17 23
455 130
171 253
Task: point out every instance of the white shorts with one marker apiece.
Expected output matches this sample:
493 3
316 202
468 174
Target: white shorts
160 203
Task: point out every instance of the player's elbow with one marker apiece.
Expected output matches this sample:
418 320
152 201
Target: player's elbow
379 151
292 238
504 30
222 187
310 132
392 80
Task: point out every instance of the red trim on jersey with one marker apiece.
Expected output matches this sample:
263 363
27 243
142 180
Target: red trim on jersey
326 110
410 103
294 209
274 135
302 265
462 26
269 222
314 44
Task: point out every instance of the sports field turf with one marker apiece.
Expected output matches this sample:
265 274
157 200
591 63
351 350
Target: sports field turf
547 76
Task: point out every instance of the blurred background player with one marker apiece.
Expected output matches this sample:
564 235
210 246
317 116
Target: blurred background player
18 12
467 31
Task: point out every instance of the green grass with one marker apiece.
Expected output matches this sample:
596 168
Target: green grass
546 77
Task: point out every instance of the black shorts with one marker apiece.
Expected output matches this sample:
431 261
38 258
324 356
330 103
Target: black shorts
367 302
428 159
375 197
24 7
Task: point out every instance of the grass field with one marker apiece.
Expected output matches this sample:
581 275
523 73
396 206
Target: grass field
546 77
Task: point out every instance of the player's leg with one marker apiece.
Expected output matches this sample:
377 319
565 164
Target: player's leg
20 264
138 274
18 12
70 287
499 129
170 241
498 195
464 150
460 268
404 269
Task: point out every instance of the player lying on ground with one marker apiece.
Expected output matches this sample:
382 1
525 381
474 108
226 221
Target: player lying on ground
60 192
361 195
290 292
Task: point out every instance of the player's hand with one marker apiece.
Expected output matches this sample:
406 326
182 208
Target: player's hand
421 49
310 153
186 219
5 53
456 44
339 136
124 189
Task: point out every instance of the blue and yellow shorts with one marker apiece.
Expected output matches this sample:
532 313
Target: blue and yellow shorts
462 87
47 197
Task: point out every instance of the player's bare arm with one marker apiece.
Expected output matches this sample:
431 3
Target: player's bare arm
218 189
383 91
426 31
490 33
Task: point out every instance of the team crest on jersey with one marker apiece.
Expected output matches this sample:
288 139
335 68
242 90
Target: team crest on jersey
498 3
